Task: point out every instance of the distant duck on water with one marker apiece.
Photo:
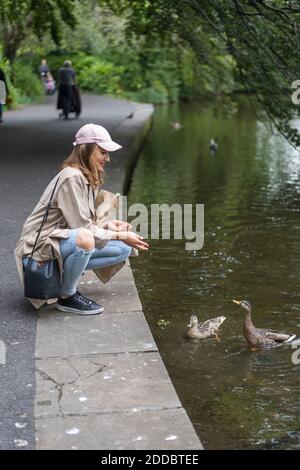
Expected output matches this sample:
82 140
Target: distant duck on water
205 329
261 337
176 125
213 145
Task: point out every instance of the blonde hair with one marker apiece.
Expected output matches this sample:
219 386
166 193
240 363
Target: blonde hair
80 157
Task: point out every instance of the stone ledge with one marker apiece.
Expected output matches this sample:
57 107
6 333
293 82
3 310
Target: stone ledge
149 430
80 385
62 335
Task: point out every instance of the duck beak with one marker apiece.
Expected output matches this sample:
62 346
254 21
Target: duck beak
237 302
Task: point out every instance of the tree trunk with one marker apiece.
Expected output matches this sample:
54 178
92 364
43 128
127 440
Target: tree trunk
12 38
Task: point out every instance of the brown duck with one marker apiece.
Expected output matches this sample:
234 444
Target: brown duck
204 329
261 337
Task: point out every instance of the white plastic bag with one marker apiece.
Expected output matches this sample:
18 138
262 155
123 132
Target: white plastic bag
2 92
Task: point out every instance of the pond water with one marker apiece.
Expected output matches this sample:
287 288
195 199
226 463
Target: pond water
250 188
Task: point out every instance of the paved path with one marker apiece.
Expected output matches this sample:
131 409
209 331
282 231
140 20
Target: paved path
85 383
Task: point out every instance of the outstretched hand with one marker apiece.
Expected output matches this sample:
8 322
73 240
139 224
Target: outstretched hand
117 226
126 235
134 240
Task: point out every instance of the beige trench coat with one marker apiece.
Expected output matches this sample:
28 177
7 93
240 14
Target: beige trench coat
74 205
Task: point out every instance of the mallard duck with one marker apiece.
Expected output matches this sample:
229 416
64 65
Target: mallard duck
261 337
204 329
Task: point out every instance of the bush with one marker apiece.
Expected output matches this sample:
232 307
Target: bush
23 84
156 94
206 80
130 70
27 85
94 74
123 72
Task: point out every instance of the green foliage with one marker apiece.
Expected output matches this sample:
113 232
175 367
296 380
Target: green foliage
92 73
18 18
27 86
105 62
109 61
4 65
96 75
123 75
203 80
97 30
157 94
160 51
24 86
262 36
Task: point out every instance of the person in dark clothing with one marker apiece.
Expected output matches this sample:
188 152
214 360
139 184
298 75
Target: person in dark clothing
3 92
66 80
75 101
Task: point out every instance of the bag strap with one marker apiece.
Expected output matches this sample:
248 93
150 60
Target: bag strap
44 219
94 199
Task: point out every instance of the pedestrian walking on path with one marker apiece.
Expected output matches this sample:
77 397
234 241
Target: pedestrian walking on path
43 68
66 89
3 92
78 231
46 77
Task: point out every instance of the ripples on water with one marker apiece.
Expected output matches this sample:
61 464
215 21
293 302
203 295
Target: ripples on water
251 190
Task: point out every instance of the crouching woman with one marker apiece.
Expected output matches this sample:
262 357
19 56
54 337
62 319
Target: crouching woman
70 232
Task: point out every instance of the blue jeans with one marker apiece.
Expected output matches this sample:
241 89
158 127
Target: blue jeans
76 260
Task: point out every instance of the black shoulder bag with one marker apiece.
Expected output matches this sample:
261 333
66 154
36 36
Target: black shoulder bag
42 278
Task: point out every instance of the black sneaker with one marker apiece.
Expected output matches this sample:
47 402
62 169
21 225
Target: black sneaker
79 304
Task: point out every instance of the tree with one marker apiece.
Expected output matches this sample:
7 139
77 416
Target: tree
18 17
261 35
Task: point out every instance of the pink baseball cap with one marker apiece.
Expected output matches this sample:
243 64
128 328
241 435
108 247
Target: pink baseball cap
95 134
